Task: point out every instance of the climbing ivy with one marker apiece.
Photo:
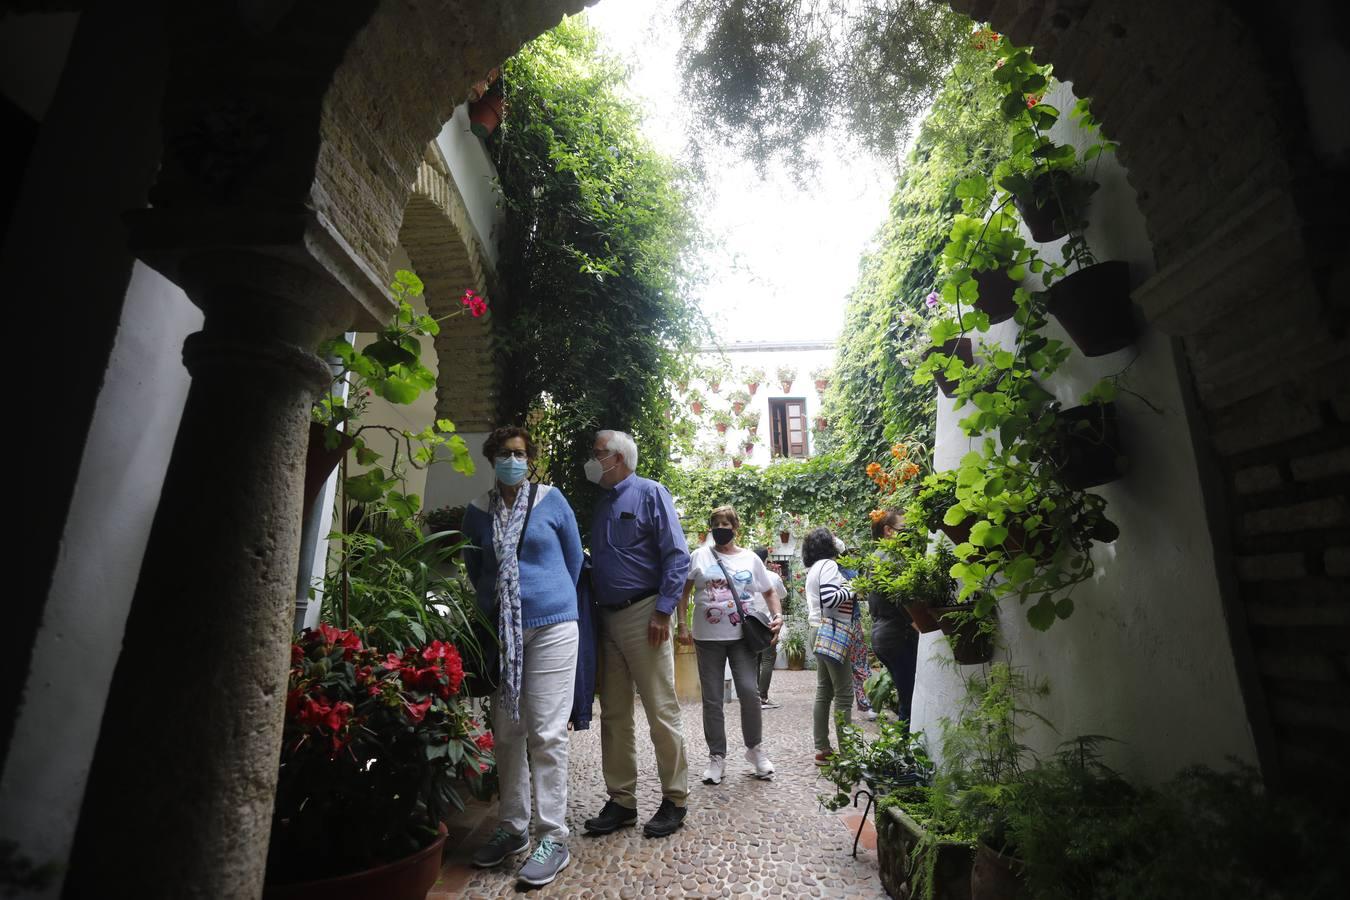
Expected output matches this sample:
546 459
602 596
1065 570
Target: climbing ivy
874 401
596 258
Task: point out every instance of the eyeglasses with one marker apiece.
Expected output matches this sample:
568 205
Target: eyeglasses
601 454
504 455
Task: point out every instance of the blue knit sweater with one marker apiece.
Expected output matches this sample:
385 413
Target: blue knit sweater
550 559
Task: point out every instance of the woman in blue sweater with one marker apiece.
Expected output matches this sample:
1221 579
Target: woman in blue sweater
524 572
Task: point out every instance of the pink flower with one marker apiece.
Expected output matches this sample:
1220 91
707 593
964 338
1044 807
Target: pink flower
931 300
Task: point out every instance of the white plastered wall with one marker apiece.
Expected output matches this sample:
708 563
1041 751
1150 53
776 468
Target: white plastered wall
121 472
1145 658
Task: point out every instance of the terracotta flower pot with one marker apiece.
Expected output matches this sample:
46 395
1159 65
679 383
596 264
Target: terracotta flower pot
821 385
996 295
821 423
1090 455
320 462
1044 220
696 408
736 462
786 386
923 617
784 536
1093 305
796 661
752 429
970 645
486 113
715 386
721 427
963 350
958 533
749 448
405 879
996 877
738 407
752 387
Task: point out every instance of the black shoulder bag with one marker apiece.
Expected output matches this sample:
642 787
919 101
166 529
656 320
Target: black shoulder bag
488 673
755 630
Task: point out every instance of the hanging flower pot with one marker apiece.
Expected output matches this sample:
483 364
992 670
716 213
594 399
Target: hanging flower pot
752 429
696 407
963 350
922 615
958 533
736 461
486 113
821 385
1040 209
320 461
752 387
738 407
749 448
971 646
996 295
721 427
715 386
821 423
786 386
784 537
1093 305
1089 452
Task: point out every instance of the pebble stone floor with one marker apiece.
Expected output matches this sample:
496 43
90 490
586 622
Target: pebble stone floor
743 838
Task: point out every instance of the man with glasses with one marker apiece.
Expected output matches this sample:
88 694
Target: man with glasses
639 559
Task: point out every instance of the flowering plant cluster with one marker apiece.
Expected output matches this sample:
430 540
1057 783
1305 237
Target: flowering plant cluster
474 303
896 478
376 747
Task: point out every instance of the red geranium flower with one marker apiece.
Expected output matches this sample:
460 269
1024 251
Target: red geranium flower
484 741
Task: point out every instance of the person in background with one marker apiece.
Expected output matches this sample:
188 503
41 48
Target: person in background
770 655
722 574
524 567
895 637
639 561
828 590
858 659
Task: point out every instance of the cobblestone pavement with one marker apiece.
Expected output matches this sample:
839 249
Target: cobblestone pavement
743 837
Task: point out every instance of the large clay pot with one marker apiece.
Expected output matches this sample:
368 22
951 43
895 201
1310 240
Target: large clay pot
1093 305
1090 455
996 295
962 349
900 841
486 113
996 877
958 533
970 645
922 615
408 878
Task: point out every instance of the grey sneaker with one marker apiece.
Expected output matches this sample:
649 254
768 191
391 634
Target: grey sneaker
498 847
544 864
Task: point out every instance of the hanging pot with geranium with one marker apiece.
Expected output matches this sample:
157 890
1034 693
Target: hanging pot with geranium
721 420
753 379
738 400
786 376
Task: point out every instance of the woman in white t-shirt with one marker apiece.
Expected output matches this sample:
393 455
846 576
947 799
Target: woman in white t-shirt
714 573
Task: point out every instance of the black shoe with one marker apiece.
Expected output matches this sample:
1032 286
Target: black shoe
667 820
611 818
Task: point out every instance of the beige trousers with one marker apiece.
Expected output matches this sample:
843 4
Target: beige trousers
627 661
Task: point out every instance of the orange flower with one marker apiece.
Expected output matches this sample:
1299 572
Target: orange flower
909 471
873 469
876 515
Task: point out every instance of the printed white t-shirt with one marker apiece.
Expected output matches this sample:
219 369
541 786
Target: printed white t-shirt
715 614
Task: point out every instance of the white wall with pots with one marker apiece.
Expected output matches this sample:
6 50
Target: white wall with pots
733 360
1145 657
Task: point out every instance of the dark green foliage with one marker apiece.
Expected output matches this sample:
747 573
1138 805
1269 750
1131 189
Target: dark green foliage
596 259
823 490
874 400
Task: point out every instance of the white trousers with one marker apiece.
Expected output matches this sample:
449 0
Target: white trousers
550 666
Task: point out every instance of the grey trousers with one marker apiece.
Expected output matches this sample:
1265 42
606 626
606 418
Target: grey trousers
766 661
712 659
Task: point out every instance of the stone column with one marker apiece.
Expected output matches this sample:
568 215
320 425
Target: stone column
180 794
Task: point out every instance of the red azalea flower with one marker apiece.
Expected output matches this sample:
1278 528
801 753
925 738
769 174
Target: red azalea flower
293 699
435 650
375 689
484 741
314 711
1032 100
454 670
393 661
364 673
418 711
297 654
337 716
330 634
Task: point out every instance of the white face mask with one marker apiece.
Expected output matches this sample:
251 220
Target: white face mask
595 471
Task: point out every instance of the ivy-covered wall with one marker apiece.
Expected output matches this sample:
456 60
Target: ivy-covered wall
595 257
873 400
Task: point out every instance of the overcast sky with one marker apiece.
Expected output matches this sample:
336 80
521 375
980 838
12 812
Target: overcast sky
788 251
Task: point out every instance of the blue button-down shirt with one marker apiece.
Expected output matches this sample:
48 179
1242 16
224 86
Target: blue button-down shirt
637 545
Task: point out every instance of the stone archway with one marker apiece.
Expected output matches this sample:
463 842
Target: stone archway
292 141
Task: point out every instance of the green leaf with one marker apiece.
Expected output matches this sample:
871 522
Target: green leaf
365 456
1041 615
955 514
1064 608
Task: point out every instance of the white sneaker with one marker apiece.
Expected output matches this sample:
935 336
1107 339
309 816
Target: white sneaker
871 715
716 766
760 760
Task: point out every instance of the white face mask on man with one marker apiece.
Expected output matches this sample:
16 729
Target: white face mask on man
595 471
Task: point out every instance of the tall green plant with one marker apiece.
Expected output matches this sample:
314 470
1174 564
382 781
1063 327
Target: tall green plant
597 254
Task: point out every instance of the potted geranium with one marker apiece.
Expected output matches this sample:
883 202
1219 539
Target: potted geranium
738 400
721 420
376 749
695 400
786 375
753 379
821 378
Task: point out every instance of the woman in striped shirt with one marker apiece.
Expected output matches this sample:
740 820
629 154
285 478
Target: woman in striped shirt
827 588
